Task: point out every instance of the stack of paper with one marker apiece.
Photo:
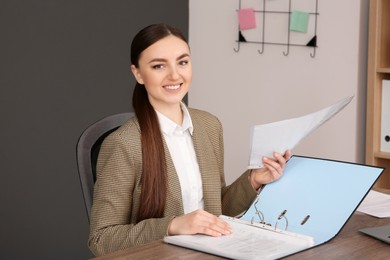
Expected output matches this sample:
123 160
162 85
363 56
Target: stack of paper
376 204
248 241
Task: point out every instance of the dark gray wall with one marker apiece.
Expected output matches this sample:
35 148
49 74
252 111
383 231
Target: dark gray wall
64 65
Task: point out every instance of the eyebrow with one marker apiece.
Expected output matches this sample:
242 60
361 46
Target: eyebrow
164 60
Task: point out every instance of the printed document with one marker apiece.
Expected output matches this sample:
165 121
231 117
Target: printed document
376 204
248 241
285 135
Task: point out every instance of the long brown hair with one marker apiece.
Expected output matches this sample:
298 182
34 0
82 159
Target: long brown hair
154 168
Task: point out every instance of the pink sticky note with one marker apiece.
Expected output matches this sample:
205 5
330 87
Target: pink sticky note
246 18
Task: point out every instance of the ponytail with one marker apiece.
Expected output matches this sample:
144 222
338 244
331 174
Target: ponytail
154 169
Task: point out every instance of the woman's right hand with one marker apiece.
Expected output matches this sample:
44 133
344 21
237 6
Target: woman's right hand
199 222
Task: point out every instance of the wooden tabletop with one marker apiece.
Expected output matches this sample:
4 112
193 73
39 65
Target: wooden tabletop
348 244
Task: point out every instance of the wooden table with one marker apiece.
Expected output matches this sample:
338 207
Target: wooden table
348 244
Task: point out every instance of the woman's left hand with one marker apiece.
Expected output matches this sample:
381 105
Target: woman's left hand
272 170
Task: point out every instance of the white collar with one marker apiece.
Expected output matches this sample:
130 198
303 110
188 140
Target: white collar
169 127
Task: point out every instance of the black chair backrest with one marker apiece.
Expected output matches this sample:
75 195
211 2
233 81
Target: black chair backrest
87 151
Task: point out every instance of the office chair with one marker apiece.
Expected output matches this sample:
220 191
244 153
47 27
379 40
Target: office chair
87 150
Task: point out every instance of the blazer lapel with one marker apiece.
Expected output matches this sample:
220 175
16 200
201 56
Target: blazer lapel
174 197
208 167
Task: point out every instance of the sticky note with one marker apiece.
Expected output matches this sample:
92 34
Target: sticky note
246 18
299 21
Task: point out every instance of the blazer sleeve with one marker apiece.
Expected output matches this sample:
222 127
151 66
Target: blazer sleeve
238 196
116 199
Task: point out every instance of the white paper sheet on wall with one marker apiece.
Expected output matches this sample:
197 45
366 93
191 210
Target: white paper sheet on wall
285 135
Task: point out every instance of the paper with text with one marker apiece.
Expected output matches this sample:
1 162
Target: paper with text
376 204
248 241
285 135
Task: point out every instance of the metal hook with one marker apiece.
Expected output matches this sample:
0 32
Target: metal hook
238 47
262 33
238 42
314 53
288 51
288 29
315 31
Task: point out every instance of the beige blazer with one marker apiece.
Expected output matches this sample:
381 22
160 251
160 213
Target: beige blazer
117 188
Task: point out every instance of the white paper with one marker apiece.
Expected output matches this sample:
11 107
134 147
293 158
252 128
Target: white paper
248 241
376 204
285 135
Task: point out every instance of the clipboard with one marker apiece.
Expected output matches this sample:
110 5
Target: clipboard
307 207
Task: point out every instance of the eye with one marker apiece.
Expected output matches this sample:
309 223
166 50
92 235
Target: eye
158 66
183 62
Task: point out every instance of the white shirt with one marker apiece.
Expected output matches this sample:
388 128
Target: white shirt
180 145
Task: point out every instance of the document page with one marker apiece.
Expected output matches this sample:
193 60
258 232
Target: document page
376 204
283 135
247 242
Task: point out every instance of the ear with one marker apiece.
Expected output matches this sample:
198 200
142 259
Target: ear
137 74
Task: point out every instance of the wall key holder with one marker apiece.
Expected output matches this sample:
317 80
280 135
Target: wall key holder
312 43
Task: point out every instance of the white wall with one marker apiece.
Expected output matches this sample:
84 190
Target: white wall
247 88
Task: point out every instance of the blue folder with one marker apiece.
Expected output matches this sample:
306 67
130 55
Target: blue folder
314 197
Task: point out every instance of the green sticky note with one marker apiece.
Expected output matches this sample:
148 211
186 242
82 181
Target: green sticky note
299 21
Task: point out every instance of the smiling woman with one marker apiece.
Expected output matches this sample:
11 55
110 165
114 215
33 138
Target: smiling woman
164 68
161 173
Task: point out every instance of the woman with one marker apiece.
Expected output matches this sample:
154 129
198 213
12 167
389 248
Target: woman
161 173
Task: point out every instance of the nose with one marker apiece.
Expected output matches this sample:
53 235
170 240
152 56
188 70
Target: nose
174 73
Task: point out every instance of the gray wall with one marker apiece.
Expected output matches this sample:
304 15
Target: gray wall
64 65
